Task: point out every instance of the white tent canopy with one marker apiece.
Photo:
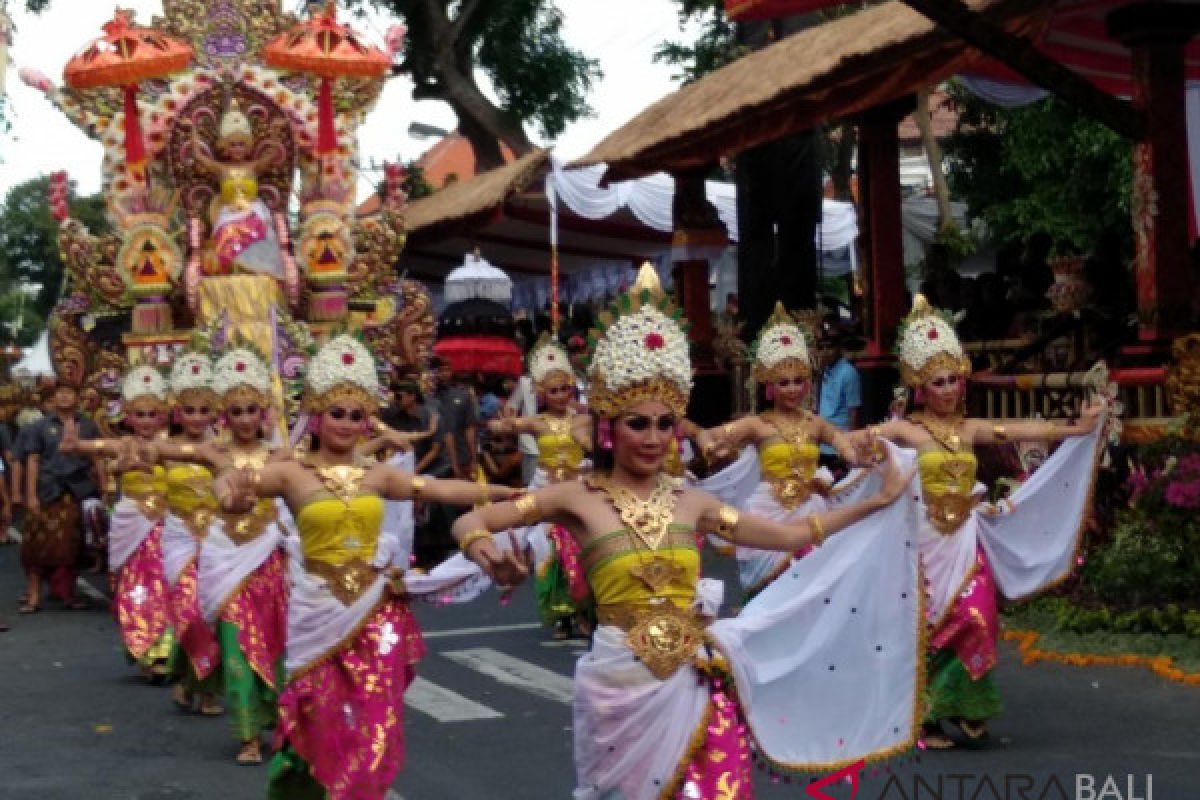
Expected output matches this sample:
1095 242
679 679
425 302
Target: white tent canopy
37 358
477 278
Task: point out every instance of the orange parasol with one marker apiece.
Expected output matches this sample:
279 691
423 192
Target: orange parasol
324 47
125 56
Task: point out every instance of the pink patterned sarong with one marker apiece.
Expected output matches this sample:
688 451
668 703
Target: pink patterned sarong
568 559
195 635
141 596
971 627
720 765
259 610
345 714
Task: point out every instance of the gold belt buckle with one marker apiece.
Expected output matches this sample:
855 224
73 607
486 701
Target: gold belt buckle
947 512
347 581
662 636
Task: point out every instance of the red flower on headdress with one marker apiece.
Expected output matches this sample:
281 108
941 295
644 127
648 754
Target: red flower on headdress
240 366
785 340
146 379
933 334
195 369
347 358
655 341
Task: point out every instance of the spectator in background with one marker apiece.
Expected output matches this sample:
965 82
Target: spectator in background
459 413
578 352
840 394
502 460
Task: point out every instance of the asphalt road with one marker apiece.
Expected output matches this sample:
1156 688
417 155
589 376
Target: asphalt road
490 718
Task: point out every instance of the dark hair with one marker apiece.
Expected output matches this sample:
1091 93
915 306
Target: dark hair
437 362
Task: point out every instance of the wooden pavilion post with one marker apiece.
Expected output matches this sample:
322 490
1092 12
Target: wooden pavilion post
1156 34
880 201
698 240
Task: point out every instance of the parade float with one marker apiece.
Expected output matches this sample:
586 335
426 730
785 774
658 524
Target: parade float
230 149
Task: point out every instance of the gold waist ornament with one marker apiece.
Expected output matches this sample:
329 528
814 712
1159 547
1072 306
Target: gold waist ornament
152 505
243 528
197 521
558 473
791 491
948 511
346 581
663 636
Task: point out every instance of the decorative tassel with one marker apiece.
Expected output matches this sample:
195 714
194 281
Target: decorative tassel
604 429
135 145
326 125
770 393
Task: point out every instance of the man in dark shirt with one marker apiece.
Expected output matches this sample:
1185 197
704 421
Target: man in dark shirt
459 414
55 486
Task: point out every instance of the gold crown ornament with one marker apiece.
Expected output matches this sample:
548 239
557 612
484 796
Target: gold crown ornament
144 388
241 376
927 344
192 378
781 350
549 364
342 370
639 352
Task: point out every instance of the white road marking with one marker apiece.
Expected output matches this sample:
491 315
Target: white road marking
91 591
445 705
521 626
516 673
392 794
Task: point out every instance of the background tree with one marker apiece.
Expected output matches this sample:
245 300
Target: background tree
1043 168
518 44
29 250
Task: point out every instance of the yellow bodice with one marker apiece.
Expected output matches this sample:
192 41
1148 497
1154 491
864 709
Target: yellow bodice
339 542
944 472
239 187
559 452
139 483
621 574
189 489
788 460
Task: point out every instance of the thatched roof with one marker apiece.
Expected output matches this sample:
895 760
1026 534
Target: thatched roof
828 72
465 202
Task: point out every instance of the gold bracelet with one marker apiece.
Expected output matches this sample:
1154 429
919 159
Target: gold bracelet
728 516
818 530
418 485
473 537
727 429
999 433
527 507
187 449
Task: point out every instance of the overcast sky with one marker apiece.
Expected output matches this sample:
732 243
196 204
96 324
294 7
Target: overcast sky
622 34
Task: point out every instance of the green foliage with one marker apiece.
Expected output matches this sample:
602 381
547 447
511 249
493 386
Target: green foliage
1060 614
715 47
29 248
1042 168
517 43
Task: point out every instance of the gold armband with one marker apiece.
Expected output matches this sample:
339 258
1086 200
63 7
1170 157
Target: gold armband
187 449
728 516
818 530
527 507
999 433
418 485
473 537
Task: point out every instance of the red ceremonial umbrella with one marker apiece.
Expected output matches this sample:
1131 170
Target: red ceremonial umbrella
494 355
324 47
125 56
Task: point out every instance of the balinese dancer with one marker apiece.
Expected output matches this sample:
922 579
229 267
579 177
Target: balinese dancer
968 549
56 484
654 717
563 441
241 569
243 228
777 475
352 641
191 507
141 594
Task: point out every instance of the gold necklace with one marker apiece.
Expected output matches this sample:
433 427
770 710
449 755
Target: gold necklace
649 520
255 458
559 426
340 480
947 434
790 430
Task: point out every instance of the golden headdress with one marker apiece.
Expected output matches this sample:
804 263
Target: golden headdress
549 364
144 388
191 377
241 376
927 343
343 369
781 350
639 352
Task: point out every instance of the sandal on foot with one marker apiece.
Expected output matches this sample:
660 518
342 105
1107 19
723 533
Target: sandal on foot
934 739
27 608
250 754
562 630
78 605
182 697
209 707
973 729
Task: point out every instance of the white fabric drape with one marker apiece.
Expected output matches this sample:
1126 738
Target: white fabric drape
127 530
179 547
398 515
223 565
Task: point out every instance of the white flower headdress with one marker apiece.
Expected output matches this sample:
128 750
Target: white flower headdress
342 369
242 372
549 364
144 386
640 352
781 350
192 374
927 343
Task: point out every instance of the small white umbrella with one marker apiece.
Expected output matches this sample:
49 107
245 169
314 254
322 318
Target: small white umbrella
477 278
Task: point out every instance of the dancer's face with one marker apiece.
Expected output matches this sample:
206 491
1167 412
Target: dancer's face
790 392
944 391
642 436
342 425
196 416
245 420
558 397
147 422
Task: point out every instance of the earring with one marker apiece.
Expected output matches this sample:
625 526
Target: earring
177 416
770 393
919 396
604 429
